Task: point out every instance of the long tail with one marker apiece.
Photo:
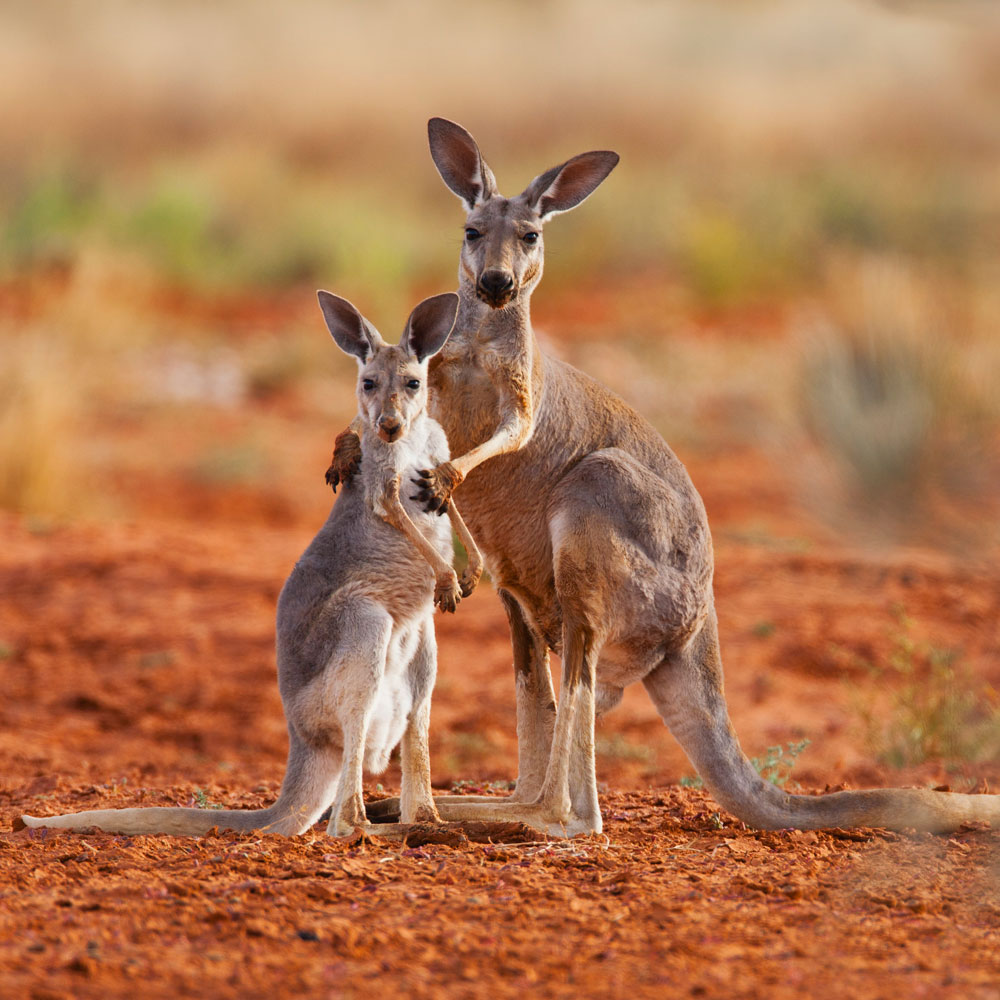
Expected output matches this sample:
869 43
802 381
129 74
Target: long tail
688 693
309 787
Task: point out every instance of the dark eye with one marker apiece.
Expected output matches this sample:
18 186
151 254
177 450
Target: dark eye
530 238
368 384
472 234
413 383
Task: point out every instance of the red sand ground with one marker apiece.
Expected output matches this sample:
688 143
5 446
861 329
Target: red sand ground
138 669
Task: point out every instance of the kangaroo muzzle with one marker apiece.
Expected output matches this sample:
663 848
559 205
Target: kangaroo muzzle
495 287
389 427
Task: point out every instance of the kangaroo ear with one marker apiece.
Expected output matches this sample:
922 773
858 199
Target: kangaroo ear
460 163
429 326
565 186
352 332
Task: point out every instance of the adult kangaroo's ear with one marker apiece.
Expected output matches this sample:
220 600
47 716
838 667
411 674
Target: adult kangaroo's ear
460 163
430 324
352 332
565 186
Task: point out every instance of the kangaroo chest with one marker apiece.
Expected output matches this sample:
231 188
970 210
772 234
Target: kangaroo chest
463 397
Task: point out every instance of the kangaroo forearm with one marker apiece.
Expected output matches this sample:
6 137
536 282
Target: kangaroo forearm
512 435
395 514
465 537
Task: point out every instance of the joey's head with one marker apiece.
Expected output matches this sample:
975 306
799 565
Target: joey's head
392 379
502 248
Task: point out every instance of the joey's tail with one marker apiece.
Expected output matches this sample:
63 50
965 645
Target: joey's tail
309 787
687 690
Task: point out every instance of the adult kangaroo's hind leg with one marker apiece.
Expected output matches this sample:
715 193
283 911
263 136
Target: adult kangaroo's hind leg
536 702
567 802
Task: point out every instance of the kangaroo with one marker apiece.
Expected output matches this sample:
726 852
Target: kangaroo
595 536
355 637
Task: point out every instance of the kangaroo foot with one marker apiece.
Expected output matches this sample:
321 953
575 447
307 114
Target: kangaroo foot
383 810
539 816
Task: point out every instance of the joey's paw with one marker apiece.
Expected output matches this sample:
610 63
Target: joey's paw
469 579
346 459
437 485
447 593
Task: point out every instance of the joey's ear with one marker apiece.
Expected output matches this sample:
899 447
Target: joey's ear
429 326
460 163
352 332
565 186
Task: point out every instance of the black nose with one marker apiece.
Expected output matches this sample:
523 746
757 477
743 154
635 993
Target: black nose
390 428
496 283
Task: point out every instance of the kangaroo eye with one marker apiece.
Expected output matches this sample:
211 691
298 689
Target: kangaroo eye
472 234
368 384
413 383
530 238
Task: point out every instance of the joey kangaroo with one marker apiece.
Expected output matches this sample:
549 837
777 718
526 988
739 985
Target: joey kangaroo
355 637
595 535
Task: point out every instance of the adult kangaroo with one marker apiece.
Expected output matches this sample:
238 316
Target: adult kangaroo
355 636
595 537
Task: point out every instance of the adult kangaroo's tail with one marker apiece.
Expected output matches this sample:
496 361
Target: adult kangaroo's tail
309 786
688 694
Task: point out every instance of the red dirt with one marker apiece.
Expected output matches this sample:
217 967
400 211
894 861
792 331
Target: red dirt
138 668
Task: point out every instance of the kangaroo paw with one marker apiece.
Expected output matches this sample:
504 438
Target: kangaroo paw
469 580
437 485
346 459
447 594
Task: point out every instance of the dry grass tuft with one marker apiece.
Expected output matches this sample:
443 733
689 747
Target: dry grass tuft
38 431
888 393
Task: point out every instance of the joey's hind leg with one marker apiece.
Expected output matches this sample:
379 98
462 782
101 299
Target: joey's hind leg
416 801
351 682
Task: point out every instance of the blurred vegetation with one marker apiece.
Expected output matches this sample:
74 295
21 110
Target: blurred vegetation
158 159
937 710
911 420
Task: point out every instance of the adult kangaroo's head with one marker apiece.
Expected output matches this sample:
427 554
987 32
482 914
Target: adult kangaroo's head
502 252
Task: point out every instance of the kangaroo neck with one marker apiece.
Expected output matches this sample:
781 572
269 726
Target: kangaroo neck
477 322
380 464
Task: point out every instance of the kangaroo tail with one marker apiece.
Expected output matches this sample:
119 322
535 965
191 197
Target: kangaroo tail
688 692
309 786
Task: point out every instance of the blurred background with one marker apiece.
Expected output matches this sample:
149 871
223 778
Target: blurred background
797 254
793 273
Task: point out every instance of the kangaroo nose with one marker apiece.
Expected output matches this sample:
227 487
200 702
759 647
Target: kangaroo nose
389 426
496 283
